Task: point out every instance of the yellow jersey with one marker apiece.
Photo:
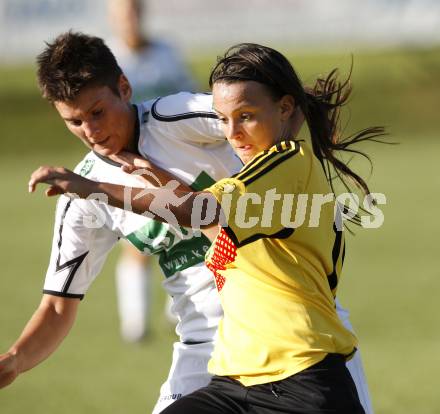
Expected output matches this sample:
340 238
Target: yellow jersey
276 262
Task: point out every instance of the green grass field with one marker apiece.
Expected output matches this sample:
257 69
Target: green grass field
391 278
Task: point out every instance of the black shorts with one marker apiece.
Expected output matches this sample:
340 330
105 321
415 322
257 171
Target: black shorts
326 387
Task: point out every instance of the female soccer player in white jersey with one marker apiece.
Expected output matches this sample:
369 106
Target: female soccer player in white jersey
281 346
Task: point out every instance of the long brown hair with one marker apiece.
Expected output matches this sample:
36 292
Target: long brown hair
321 107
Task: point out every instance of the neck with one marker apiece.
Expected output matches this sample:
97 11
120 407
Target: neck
295 123
134 130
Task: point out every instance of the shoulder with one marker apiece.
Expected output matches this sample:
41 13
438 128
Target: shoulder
183 105
284 162
87 164
96 167
185 117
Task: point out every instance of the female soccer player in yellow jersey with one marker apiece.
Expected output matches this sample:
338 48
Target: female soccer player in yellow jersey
281 346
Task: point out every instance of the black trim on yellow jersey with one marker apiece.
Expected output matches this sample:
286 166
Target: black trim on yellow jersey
262 164
255 162
282 234
336 252
350 355
278 161
251 163
178 117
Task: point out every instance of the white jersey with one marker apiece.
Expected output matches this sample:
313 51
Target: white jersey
170 134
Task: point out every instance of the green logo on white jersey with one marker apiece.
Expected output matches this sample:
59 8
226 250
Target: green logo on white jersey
174 254
87 167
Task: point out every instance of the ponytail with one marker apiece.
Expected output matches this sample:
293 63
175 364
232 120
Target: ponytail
321 107
322 113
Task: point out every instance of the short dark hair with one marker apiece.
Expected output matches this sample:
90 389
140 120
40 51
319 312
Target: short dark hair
74 61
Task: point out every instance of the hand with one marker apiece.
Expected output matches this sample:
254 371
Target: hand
60 180
129 159
142 168
148 173
8 369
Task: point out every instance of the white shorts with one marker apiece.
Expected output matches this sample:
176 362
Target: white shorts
355 366
189 371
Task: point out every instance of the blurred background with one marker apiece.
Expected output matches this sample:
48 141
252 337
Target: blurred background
391 279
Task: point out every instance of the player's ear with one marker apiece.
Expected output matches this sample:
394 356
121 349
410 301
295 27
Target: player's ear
124 88
287 107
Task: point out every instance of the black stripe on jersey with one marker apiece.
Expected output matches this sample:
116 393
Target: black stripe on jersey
282 234
63 295
270 166
265 158
333 277
179 117
250 165
74 263
348 356
281 147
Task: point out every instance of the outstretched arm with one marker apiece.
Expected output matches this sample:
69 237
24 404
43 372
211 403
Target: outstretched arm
41 336
163 202
150 173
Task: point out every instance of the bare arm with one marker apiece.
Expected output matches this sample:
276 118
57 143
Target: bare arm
150 173
41 336
160 202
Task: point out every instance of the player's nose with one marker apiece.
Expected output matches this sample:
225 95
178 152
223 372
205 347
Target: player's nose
234 130
92 131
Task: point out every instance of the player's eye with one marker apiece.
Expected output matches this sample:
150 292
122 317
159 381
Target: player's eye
246 116
97 112
75 122
222 120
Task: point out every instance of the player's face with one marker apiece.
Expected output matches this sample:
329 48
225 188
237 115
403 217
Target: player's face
102 120
250 117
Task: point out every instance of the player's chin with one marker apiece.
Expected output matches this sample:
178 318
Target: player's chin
105 151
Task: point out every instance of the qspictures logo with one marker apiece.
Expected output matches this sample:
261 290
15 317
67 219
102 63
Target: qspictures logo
247 210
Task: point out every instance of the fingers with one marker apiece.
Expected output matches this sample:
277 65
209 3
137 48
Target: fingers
52 191
46 175
133 159
141 162
129 168
38 176
8 369
120 159
124 158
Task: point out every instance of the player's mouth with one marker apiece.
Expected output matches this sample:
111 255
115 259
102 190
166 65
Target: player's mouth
246 152
245 148
103 142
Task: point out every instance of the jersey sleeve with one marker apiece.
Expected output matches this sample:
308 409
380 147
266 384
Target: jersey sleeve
261 199
79 248
188 117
